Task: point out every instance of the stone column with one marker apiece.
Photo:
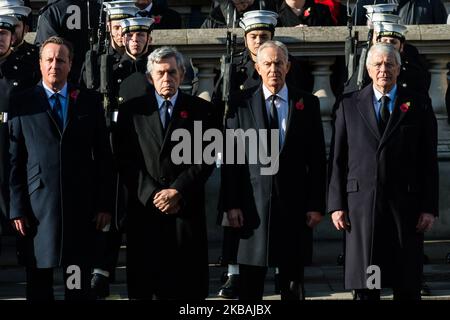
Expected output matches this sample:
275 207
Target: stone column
322 89
206 77
438 70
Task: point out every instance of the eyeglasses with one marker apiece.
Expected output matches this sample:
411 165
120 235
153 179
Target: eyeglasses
387 65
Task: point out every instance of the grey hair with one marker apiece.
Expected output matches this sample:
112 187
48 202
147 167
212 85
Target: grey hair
165 53
273 44
386 48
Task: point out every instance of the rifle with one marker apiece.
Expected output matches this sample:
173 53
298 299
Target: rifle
106 65
351 44
362 60
227 71
91 55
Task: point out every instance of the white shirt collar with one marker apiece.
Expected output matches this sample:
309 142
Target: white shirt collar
50 92
149 7
283 93
160 99
390 94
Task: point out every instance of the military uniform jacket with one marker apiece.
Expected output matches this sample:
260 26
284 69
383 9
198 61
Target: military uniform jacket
17 73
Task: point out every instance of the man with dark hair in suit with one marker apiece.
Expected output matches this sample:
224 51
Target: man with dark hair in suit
61 171
167 256
383 187
272 217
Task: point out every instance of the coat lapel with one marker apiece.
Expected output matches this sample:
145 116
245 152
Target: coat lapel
365 108
42 96
397 116
293 98
150 118
179 118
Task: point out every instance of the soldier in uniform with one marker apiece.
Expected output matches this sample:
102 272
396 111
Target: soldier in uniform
259 27
15 75
109 241
26 53
413 72
69 19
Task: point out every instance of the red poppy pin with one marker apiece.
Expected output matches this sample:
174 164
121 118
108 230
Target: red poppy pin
299 105
157 19
74 94
404 107
307 12
184 114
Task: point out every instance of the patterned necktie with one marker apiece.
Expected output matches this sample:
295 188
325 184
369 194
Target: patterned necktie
166 105
384 112
57 111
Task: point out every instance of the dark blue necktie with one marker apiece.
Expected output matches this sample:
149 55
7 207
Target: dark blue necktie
384 112
166 105
57 111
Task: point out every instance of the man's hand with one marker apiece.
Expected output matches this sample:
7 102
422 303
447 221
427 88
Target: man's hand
20 225
102 219
313 218
236 218
425 222
167 201
339 220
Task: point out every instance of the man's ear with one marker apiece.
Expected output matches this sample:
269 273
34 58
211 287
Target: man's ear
149 78
150 39
13 39
26 28
257 68
288 66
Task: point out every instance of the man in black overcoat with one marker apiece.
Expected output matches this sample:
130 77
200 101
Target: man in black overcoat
61 172
383 188
274 218
167 254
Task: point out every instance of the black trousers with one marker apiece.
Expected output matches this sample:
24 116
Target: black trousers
251 283
40 284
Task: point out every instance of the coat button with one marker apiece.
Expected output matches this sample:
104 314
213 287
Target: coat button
120 99
15 68
164 179
404 85
241 87
119 80
403 68
28 53
15 83
120 65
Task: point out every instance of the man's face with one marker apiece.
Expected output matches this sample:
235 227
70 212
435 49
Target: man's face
272 65
254 39
55 65
166 77
21 30
116 32
396 43
242 5
137 42
383 70
5 41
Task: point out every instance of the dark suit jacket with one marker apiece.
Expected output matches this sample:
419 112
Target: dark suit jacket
297 187
171 248
374 174
59 180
